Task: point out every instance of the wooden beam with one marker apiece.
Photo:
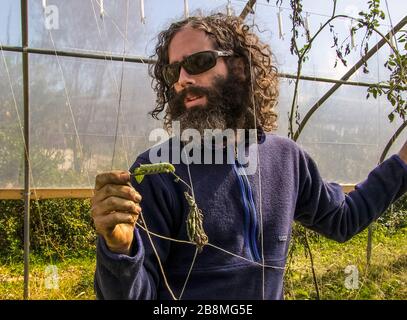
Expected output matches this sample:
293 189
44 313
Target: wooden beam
11 194
82 193
348 187
38 194
247 9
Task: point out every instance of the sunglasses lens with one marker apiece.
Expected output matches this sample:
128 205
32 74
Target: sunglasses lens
171 74
200 62
194 64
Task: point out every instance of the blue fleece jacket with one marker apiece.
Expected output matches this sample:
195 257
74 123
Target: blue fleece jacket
291 189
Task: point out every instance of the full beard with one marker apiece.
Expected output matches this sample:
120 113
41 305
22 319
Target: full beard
227 106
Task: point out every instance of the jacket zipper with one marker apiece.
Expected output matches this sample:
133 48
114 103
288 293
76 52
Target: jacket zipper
250 218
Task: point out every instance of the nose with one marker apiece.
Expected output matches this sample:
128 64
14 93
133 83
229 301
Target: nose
184 80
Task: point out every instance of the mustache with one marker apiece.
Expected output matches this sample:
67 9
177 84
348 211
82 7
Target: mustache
177 99
227 105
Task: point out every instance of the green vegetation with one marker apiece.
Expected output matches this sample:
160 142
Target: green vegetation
63 236
385 278
75 280
60 229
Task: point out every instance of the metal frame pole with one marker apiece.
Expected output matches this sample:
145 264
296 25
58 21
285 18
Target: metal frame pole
76 54
134 59
26 94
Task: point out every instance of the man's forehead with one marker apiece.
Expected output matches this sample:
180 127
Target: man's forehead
188 41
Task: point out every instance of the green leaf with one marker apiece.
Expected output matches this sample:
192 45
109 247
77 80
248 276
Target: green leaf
391 117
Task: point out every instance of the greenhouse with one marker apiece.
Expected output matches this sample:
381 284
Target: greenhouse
76 100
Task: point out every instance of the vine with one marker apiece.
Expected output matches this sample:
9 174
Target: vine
393 88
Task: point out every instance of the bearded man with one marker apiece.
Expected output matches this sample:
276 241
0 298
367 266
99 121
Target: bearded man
214 73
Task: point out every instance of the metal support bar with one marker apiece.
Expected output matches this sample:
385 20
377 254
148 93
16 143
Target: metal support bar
348 74
342 82
131 59
26 95
75 54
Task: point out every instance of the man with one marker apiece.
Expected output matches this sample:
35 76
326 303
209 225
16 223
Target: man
213 73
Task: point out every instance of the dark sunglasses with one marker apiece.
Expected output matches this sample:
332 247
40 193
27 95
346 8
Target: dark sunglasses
194 64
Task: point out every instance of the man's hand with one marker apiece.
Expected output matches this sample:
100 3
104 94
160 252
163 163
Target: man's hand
115 209
403 152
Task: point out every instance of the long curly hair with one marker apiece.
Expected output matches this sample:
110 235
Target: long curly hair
229 34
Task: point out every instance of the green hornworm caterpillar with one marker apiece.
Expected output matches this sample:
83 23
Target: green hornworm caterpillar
195 230
145 169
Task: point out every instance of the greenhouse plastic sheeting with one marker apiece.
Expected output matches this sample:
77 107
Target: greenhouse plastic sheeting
77 131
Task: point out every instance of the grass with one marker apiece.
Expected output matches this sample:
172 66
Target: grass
385 278
75 280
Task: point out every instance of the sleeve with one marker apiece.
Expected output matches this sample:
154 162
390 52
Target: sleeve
326 209
137 276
